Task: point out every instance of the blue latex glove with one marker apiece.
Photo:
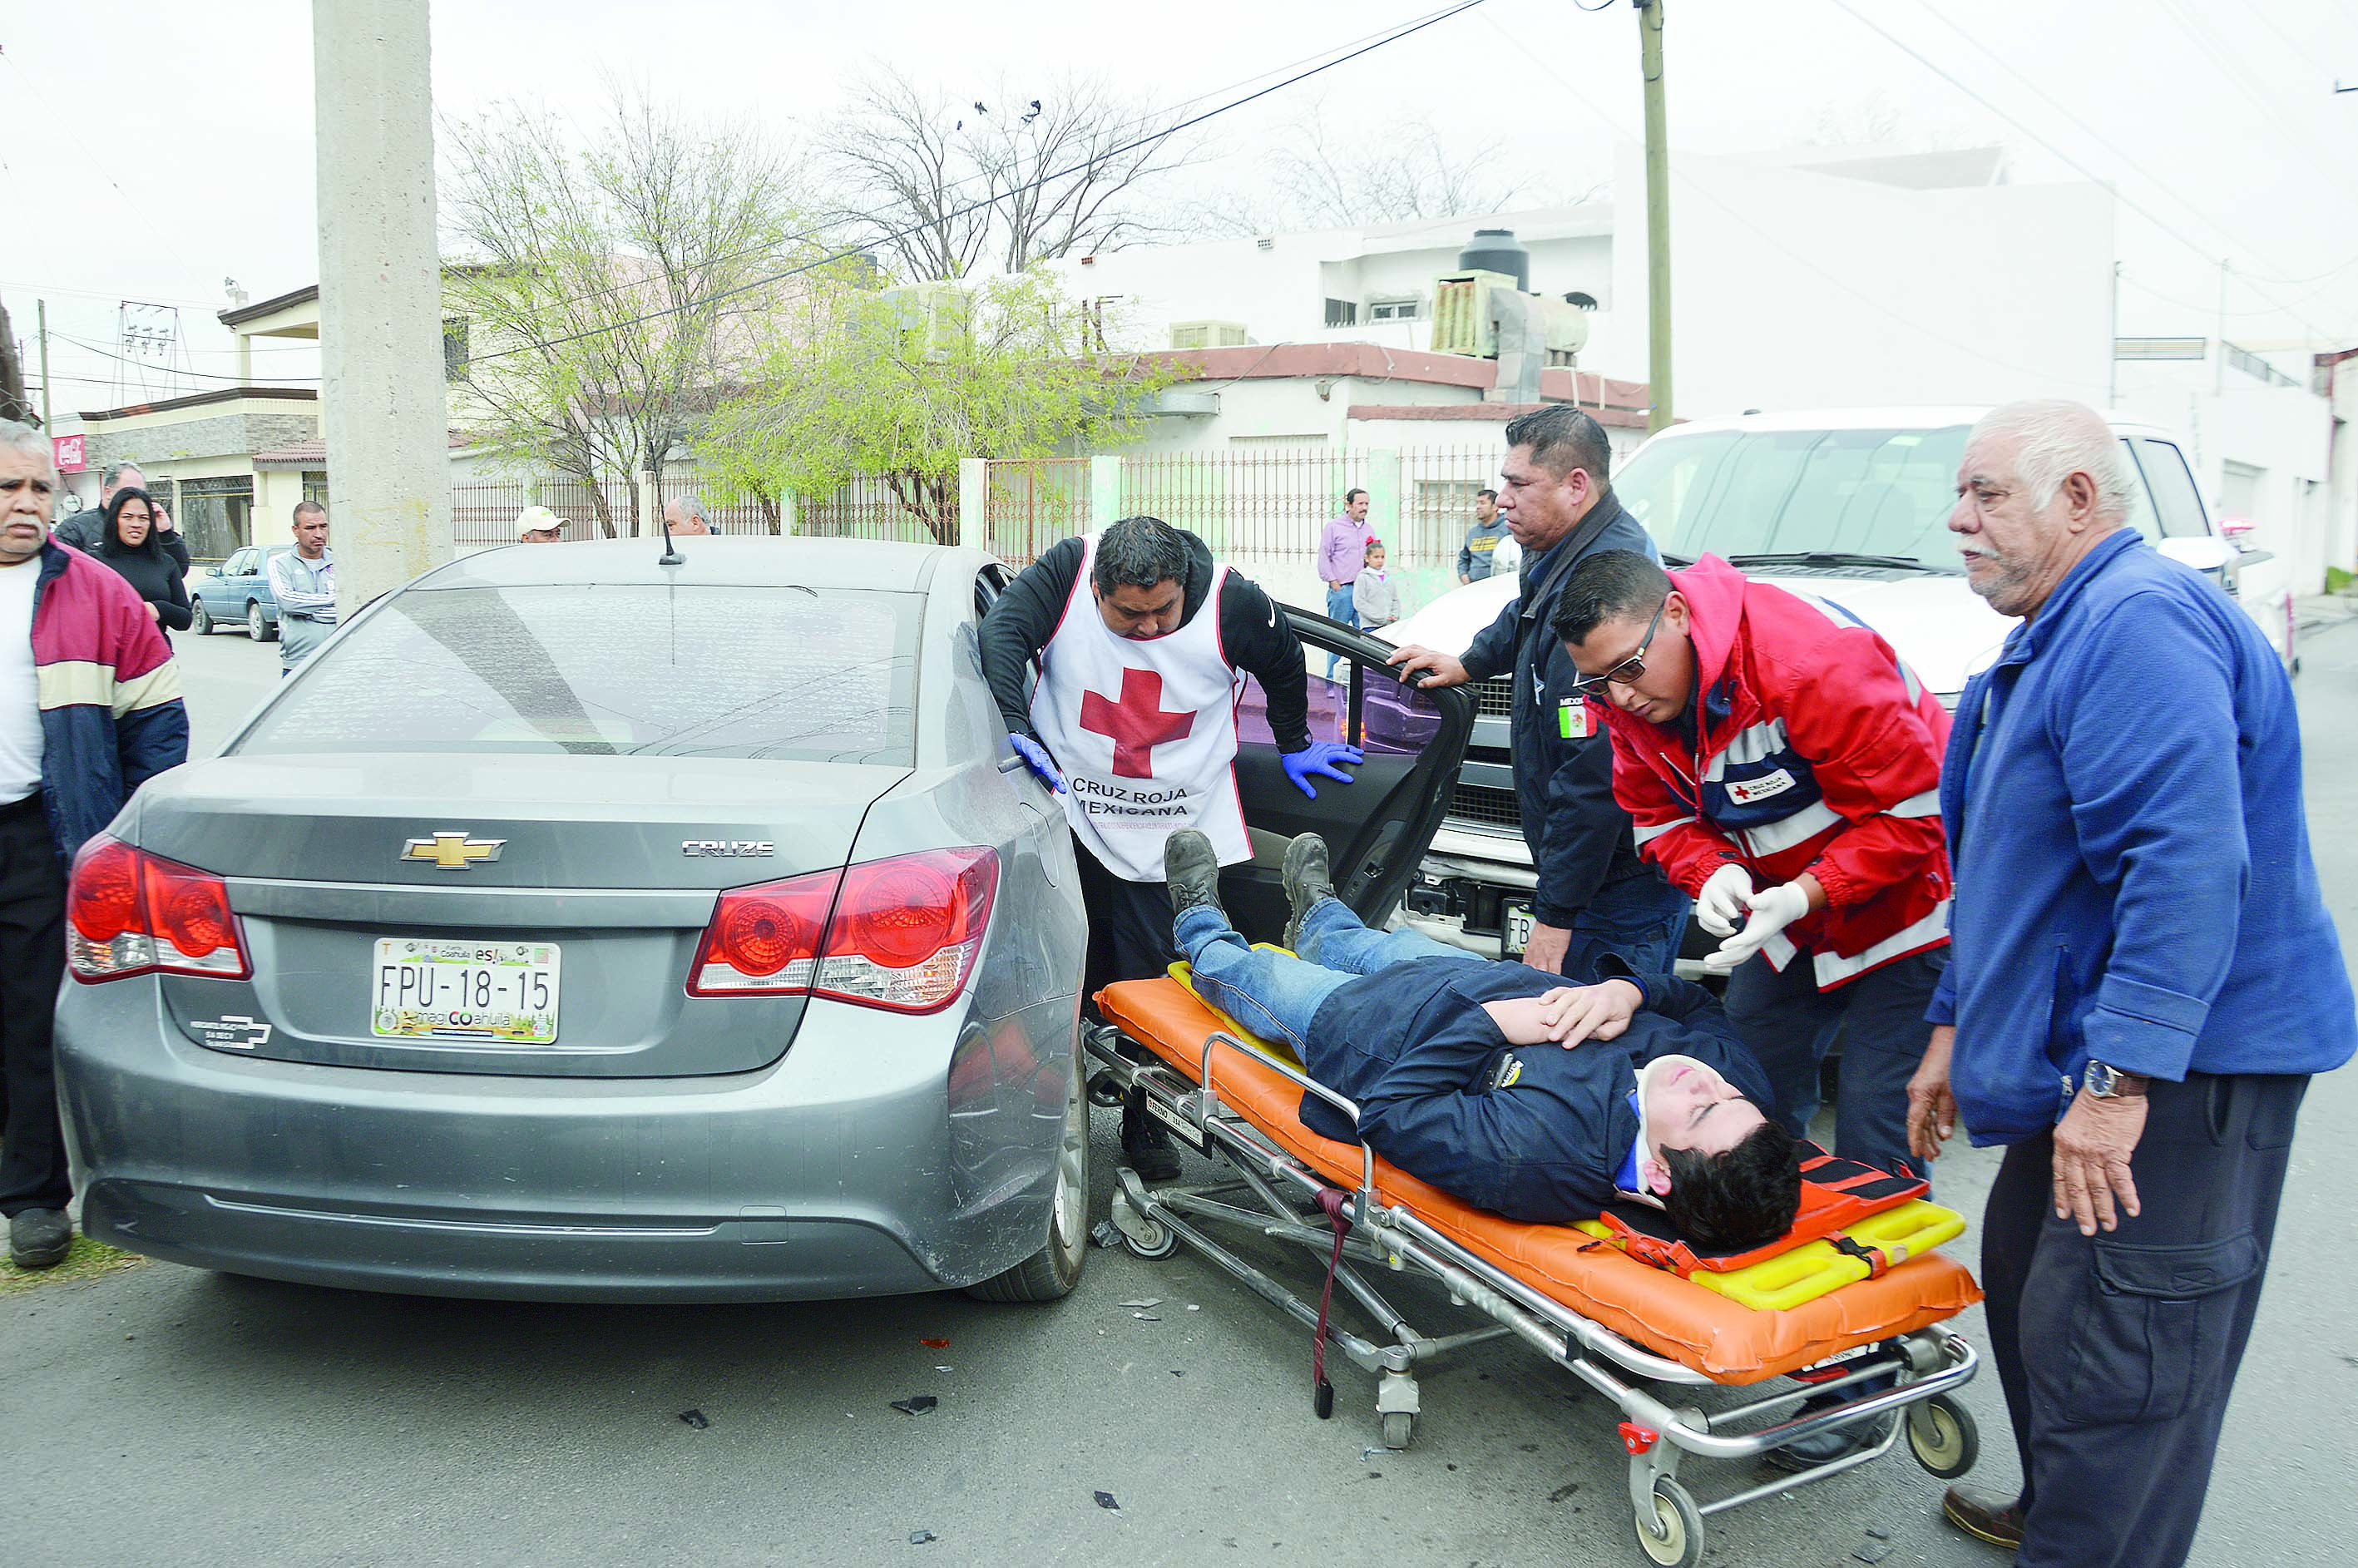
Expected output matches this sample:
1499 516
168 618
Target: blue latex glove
1319 757
1034 754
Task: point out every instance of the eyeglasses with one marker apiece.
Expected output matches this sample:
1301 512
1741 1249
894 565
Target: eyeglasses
1629 671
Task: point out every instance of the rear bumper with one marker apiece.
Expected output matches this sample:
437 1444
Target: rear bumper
883 1154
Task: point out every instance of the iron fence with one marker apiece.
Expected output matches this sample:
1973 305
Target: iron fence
1029 505
1266 503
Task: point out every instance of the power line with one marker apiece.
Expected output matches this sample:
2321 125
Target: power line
198 374
1391 37
2089 131
821 233
2138 207
1700 189
2239 71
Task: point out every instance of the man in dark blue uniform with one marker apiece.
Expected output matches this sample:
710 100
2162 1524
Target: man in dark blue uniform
1594 895
1494 1081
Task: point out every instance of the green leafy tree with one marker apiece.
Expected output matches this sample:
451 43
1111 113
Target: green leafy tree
899 385
603 286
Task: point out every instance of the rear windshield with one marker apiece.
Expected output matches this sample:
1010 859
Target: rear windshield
1869 493
620 670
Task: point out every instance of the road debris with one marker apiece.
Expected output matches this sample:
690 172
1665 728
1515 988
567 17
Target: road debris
935 1344
920 1537
695 1419
1105 1500
1149 1302
915 1404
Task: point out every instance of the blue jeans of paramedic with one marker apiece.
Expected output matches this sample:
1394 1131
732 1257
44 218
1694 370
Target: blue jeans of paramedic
1276 996
1340 608
1790 1025
1640 919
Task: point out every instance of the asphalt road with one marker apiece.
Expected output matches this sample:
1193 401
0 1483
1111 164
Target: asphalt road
166 1416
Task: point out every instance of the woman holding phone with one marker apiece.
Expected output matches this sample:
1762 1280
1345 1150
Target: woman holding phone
153 560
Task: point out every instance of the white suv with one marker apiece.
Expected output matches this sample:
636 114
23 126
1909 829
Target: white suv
1849 505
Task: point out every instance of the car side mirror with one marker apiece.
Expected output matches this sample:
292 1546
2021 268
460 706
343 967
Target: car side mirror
2204 554
213 571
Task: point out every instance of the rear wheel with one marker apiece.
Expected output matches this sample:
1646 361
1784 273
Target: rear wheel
198 621
1676 1539
1051 1273
257 628
1942 1434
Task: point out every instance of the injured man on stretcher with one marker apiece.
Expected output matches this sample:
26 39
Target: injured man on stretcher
1494 1081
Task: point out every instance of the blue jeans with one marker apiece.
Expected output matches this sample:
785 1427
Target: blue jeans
1340 608
1275 996
1642 919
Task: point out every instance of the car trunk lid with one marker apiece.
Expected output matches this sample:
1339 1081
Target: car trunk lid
338 865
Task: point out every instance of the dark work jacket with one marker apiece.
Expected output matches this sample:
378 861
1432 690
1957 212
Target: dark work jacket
1532 1132
1255 635
1580 837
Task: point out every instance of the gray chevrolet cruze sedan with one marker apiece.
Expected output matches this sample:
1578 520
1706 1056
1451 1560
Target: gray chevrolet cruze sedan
577 926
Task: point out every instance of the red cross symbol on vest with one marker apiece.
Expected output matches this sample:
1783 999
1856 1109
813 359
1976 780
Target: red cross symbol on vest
1137 722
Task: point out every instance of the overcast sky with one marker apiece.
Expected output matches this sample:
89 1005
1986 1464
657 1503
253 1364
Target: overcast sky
167 147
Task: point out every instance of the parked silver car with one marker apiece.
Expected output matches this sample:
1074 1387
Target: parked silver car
576 926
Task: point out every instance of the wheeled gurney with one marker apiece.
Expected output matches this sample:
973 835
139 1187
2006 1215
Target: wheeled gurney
1634 1333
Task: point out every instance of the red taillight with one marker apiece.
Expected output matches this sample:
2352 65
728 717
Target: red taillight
764 941
131 912
902 934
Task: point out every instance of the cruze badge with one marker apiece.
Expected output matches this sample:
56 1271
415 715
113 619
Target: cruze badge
452 851
729 849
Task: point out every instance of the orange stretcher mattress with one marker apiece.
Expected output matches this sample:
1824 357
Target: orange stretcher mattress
1727 1342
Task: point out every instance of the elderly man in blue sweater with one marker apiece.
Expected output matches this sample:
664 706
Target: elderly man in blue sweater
2144 978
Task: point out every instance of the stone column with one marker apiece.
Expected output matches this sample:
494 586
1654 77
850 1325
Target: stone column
382 398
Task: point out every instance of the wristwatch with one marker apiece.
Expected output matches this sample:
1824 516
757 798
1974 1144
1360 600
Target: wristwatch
2104 1081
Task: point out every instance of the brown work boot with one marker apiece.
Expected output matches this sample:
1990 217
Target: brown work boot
1983 1516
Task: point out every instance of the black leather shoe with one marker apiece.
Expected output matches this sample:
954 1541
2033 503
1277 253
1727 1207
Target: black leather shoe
1842 1442
1982 1515
39 1237
1145 1146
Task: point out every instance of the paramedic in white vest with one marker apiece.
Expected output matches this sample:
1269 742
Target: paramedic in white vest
1142 645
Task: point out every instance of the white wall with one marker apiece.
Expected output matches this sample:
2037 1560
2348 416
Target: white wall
2285 432
1795 289
1280 294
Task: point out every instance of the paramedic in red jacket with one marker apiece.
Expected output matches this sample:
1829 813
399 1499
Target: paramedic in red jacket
1781 764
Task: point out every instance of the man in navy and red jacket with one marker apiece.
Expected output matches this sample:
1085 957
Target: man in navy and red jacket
1782 764
90 709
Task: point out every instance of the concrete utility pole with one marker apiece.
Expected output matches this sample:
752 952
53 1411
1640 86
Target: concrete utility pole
41 324
1657 216
382 398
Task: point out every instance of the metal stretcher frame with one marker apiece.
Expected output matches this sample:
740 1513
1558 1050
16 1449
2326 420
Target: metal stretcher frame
1928 1365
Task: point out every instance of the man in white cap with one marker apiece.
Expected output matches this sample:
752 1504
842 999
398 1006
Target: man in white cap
539 525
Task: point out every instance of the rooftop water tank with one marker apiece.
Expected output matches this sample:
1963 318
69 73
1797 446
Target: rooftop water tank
1498 250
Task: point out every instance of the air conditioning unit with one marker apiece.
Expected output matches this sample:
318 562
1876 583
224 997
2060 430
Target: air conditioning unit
933 318
1463 322
1208 335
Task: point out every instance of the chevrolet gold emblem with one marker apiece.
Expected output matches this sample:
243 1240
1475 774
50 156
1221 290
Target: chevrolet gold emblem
452 851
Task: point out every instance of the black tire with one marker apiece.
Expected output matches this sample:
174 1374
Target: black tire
198 621
1051 1273
1943 1438
1681 1544
258 629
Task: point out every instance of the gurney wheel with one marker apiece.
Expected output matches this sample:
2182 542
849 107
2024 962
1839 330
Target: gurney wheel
1160 1242
1942 1437
1680 1543
1400 1426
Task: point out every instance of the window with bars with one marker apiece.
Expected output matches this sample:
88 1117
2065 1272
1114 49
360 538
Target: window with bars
1341 313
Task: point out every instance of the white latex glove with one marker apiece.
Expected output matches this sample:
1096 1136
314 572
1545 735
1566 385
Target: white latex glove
1721 902
1773 909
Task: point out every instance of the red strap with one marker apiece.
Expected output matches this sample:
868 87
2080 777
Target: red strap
1331 1199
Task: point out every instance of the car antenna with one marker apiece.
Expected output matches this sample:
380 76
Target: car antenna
671 556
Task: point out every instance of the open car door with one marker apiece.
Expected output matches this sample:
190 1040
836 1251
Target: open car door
1377 828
